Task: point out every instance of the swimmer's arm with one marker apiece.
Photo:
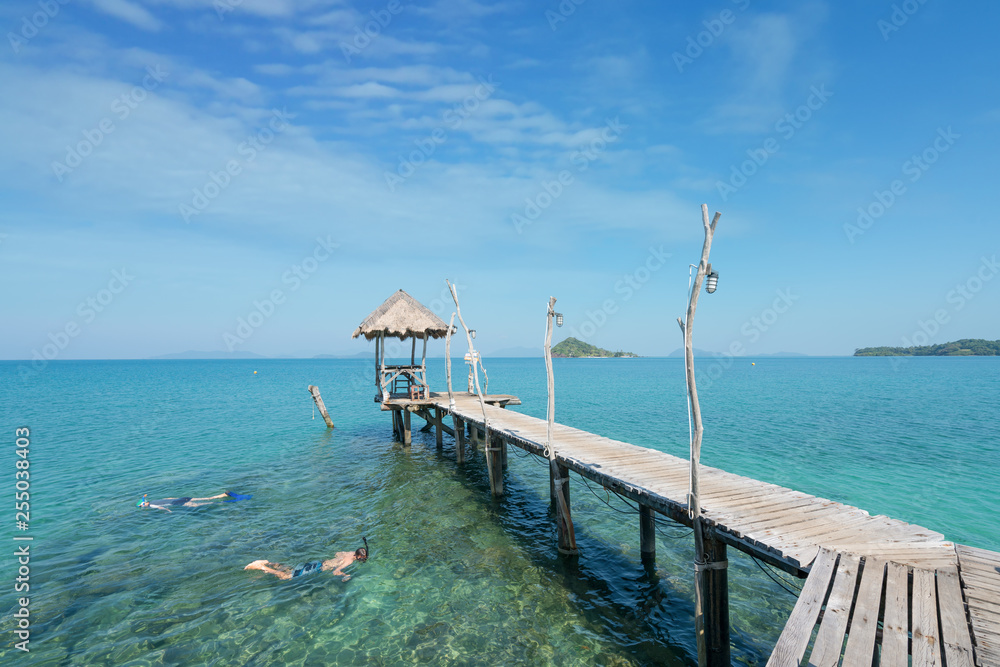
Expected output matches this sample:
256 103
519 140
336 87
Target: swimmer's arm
160 507
343 559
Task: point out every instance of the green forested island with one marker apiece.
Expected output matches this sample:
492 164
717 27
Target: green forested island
571 347
967 347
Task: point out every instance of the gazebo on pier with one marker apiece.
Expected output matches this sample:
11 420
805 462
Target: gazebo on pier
401 316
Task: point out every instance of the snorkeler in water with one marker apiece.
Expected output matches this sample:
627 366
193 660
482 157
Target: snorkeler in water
335 564
166 503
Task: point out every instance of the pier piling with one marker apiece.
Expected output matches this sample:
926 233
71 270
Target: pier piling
712 625
647 533
494 459
459 439
397 426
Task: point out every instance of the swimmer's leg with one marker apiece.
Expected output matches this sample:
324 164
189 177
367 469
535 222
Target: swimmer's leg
265 566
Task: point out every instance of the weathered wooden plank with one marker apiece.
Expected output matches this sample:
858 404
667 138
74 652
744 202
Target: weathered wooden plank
797 513
926 647
794 639
954 625
980 590
864 620
988 572
896 624
985 620
986 606
830 638
812 515
758 506
990 557
810 528
822 529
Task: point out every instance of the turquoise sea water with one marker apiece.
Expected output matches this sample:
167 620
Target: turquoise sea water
455 577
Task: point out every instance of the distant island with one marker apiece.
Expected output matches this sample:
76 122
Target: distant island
967 347
571 347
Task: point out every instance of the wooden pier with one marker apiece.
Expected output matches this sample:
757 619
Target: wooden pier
877 591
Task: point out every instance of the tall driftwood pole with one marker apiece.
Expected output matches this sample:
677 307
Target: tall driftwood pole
447 361
456 421
558 475
493 468
711 602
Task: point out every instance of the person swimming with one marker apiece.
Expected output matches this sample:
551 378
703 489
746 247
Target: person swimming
187 501
336 564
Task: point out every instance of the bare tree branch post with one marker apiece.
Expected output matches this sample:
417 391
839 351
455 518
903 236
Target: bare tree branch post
447 358
496 479
711 594
560 481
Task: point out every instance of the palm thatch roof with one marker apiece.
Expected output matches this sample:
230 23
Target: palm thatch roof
402 316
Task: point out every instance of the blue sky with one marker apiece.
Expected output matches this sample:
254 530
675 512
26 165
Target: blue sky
172 166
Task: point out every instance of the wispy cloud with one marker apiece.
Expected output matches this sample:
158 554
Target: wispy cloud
129 12
764 50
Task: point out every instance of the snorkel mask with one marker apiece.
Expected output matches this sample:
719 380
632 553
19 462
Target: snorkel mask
143 502
365 539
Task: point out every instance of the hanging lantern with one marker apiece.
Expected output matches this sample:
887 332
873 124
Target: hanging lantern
712 282
559 319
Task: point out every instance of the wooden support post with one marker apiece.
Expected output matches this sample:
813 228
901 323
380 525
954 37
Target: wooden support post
494 447
407 437
474 435
397 426
314 390
713 584
564 474
459 439
564 520
503 451
383 389
438 425
647 533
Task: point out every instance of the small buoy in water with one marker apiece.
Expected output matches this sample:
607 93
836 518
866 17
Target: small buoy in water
752 363
255 372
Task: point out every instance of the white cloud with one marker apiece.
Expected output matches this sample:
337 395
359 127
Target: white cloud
766 55
130 13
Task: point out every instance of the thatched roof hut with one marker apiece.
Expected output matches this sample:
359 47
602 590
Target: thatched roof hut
401 316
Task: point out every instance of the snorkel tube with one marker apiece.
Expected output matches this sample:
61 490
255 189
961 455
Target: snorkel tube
142 503
368 552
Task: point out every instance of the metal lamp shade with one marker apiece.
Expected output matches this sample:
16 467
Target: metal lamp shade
712 282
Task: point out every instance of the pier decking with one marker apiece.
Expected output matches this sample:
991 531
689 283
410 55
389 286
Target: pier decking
894 590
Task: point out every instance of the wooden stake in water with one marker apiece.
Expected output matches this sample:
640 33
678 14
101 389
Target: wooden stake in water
318 400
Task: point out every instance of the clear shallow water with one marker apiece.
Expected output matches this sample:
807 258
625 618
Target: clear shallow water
455 577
